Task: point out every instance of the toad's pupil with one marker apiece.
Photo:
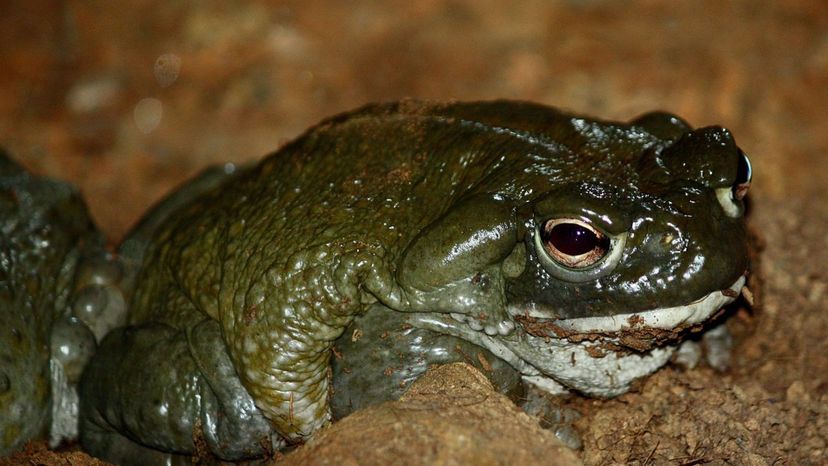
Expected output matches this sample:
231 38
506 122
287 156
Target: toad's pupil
572 239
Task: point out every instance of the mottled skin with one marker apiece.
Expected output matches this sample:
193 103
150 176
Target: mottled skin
422 209
45 233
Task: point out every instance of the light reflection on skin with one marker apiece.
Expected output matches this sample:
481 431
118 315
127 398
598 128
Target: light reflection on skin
605 219
637 222
679 240
694 267
479 237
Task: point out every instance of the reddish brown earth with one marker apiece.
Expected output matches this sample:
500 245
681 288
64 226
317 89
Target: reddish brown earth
232 81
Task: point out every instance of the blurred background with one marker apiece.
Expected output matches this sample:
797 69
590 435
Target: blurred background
128 99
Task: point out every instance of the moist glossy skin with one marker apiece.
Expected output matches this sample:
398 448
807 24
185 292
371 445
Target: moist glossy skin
45 234
425 211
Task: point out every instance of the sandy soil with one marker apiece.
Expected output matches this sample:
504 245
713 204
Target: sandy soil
128 99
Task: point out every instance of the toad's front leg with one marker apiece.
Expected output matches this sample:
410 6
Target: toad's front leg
280 332
458 264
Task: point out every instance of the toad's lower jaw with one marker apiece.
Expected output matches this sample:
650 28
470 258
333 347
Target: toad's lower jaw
663 318
558 359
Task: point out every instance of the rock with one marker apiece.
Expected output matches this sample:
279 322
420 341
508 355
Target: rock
450 416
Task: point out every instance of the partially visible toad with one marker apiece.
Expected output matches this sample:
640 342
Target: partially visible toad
568 252
58 291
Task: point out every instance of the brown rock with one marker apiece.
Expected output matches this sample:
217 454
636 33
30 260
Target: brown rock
450 416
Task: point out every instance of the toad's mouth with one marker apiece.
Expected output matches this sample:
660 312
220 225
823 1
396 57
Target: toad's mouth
657 324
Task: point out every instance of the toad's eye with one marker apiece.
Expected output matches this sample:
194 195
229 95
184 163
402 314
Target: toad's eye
575 251
744 173
573 243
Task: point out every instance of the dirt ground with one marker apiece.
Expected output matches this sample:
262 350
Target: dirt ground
128 99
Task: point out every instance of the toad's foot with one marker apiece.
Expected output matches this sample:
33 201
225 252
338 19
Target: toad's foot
154 394
552 416
477 301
